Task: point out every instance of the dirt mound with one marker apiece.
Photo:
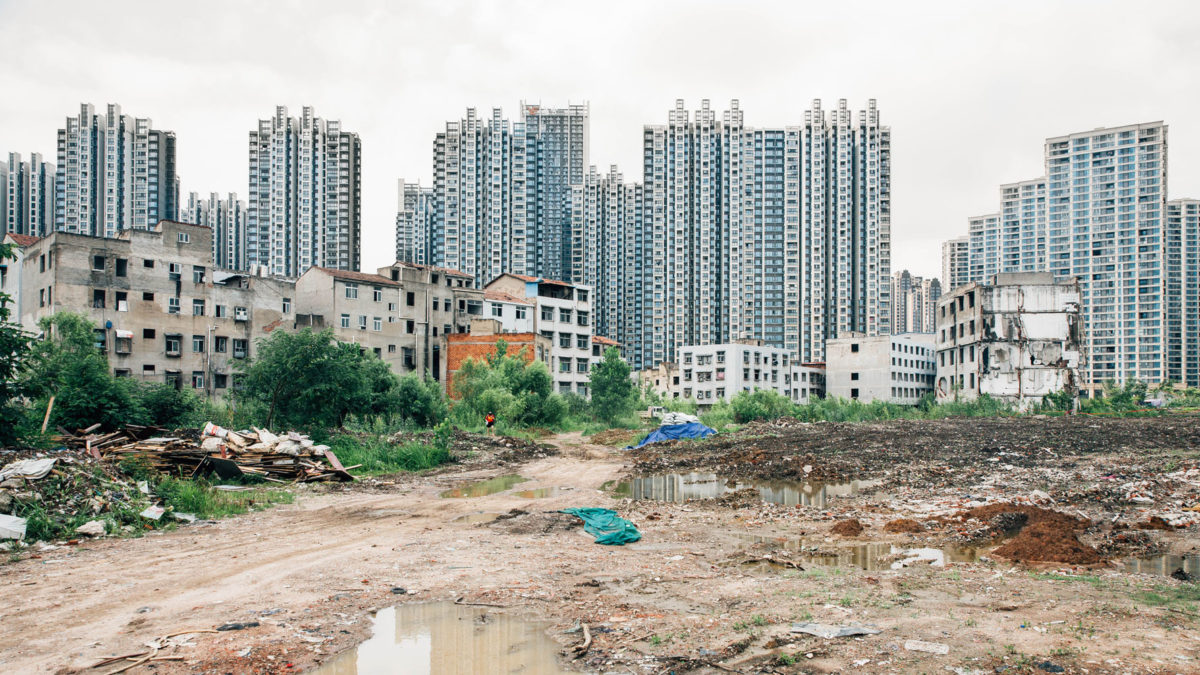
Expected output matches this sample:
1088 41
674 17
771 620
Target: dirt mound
1005 518
517 521
848 528
1154 523
903 525
1047 541
615 437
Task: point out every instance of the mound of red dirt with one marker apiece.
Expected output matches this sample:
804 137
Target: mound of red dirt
848 528
903 525
1033 515
1048 541
1154 523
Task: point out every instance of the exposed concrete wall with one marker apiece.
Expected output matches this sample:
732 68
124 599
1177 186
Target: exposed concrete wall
892 368
1017 340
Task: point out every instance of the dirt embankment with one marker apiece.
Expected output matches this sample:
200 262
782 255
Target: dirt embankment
923 452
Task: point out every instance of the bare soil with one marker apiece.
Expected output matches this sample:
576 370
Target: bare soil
713 586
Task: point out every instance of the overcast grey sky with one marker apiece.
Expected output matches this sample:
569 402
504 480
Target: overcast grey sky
970 89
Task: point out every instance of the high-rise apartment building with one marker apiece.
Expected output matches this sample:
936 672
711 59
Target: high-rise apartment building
557 145
1182 246
27 203
774 234
501 195
780 235
227 220
956 262
305 197
913 302
1099 215
114 172
983 233
1106 200
1023 226
606 217
413 220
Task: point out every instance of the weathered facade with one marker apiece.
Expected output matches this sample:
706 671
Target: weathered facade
481 343
711 373
402 314
161 313
559 311
1016 339
890 368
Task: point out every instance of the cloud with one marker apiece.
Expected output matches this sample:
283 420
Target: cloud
970 90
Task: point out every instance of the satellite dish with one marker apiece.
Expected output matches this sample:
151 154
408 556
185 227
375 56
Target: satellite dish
108 324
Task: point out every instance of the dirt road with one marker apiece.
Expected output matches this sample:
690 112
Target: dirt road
693 595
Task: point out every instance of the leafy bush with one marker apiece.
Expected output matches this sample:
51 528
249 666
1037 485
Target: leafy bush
761 404
167 406
517 392
719 416
67 365
419 401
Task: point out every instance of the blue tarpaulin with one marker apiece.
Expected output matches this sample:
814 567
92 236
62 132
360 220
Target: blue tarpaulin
670 432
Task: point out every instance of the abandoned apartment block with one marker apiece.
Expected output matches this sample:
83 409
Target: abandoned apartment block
164 314
1016 339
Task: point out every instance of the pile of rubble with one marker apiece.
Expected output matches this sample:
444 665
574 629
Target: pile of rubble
228 454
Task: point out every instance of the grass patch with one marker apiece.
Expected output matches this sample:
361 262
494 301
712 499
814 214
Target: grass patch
377 456
201 499
1184 596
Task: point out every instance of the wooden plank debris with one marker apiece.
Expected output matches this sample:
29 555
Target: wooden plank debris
290 457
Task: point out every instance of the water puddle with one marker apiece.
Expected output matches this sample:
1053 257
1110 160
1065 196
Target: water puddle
539 493
868 557
482 488
476 518
443 637
682 487
1164 565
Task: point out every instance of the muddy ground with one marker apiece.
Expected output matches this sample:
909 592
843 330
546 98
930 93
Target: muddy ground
713 586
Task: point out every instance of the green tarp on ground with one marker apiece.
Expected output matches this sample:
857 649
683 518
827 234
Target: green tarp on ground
606 526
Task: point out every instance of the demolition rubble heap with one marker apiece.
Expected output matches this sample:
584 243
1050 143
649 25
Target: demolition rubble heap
291 457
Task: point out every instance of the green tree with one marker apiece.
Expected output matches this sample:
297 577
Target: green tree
310 380
67 365
613 393
519 393
16 348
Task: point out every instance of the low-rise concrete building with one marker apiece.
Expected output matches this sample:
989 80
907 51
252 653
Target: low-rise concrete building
1017 339
561 312
711 373
164 314
402 314
161 313
10 271
891 368
662 379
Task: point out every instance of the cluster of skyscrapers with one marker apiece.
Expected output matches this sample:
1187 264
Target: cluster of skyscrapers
1101 214
118 172
778 234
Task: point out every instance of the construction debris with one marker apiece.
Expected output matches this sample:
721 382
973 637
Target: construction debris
12 527
290 457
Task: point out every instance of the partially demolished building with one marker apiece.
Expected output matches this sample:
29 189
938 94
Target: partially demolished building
1017 339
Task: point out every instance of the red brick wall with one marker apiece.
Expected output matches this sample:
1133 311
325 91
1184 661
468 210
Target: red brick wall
463 346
